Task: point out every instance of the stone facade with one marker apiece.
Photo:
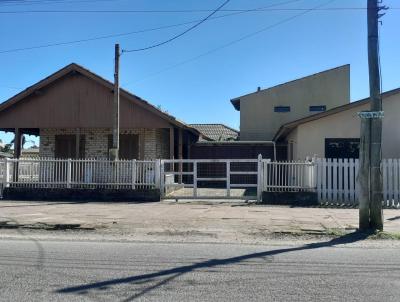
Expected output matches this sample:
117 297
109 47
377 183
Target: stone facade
153 143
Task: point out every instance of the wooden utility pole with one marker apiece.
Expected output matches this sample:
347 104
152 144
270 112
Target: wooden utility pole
363 173
376 184
115 127
370 175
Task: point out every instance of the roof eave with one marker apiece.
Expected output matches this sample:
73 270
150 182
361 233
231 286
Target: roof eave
236 103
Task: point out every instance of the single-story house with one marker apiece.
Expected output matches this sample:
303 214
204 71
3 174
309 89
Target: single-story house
71 111
216 132
335 133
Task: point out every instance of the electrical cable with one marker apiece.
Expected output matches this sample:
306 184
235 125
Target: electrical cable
137 31
178 35
245 37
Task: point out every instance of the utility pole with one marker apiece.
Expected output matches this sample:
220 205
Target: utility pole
115 127
370 175
376 183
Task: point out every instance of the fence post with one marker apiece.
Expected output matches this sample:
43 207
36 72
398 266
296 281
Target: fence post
259 177
157 172
313 174
195 178
69 173
162 179
6 172
228 178
134 174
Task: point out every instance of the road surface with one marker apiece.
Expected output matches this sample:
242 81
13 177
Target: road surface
117 271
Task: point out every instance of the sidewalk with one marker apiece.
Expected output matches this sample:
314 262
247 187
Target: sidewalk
170 221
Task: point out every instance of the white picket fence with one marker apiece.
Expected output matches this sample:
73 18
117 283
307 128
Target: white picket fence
337 181
334 180
288 176
79 173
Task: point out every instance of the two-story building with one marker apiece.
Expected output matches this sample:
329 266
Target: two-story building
263 112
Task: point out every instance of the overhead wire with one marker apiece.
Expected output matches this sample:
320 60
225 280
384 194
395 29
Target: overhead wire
177 11
5 3
180 34
71 42
245 37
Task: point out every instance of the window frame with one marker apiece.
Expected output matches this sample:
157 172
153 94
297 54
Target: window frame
282 109
311 107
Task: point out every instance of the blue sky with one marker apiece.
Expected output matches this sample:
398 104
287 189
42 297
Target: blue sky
198 91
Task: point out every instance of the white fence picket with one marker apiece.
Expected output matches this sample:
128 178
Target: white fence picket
79 173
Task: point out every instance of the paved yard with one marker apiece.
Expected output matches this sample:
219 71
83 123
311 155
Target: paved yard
171 221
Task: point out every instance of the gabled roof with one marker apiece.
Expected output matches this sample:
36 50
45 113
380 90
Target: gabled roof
216 132
75 68
236 101
286 128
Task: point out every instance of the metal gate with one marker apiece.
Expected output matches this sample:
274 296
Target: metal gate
211 179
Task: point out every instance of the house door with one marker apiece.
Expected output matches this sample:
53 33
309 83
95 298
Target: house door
342 147
65 146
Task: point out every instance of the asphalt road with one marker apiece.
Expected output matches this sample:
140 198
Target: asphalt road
109 271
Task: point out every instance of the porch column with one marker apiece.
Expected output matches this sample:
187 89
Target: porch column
17 143
17 151
180 151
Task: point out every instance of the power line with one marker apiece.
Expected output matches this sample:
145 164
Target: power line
40 2
245 37
181 34
71 42
179 11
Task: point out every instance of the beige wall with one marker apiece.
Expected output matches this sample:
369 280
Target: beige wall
309 138
258 121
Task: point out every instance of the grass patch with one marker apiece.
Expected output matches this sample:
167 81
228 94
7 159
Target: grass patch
384 236
335 232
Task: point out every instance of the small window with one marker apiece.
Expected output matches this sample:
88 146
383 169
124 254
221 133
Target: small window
318 108
282 109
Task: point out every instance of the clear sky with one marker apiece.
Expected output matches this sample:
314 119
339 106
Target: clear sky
198 91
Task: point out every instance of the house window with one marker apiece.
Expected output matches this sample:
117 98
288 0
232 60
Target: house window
128 146
282 109
318 108
342 147
65 146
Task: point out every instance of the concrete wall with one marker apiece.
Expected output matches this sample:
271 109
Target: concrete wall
153 143
258 121
309 138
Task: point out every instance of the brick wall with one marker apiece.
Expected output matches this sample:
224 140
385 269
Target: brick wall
153 143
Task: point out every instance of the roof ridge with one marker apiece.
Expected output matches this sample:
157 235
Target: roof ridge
332 111
220 124
237 99
79 68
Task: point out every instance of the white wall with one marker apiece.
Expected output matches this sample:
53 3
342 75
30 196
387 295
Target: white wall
309 138
258 121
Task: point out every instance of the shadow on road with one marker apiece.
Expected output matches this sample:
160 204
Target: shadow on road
173 273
